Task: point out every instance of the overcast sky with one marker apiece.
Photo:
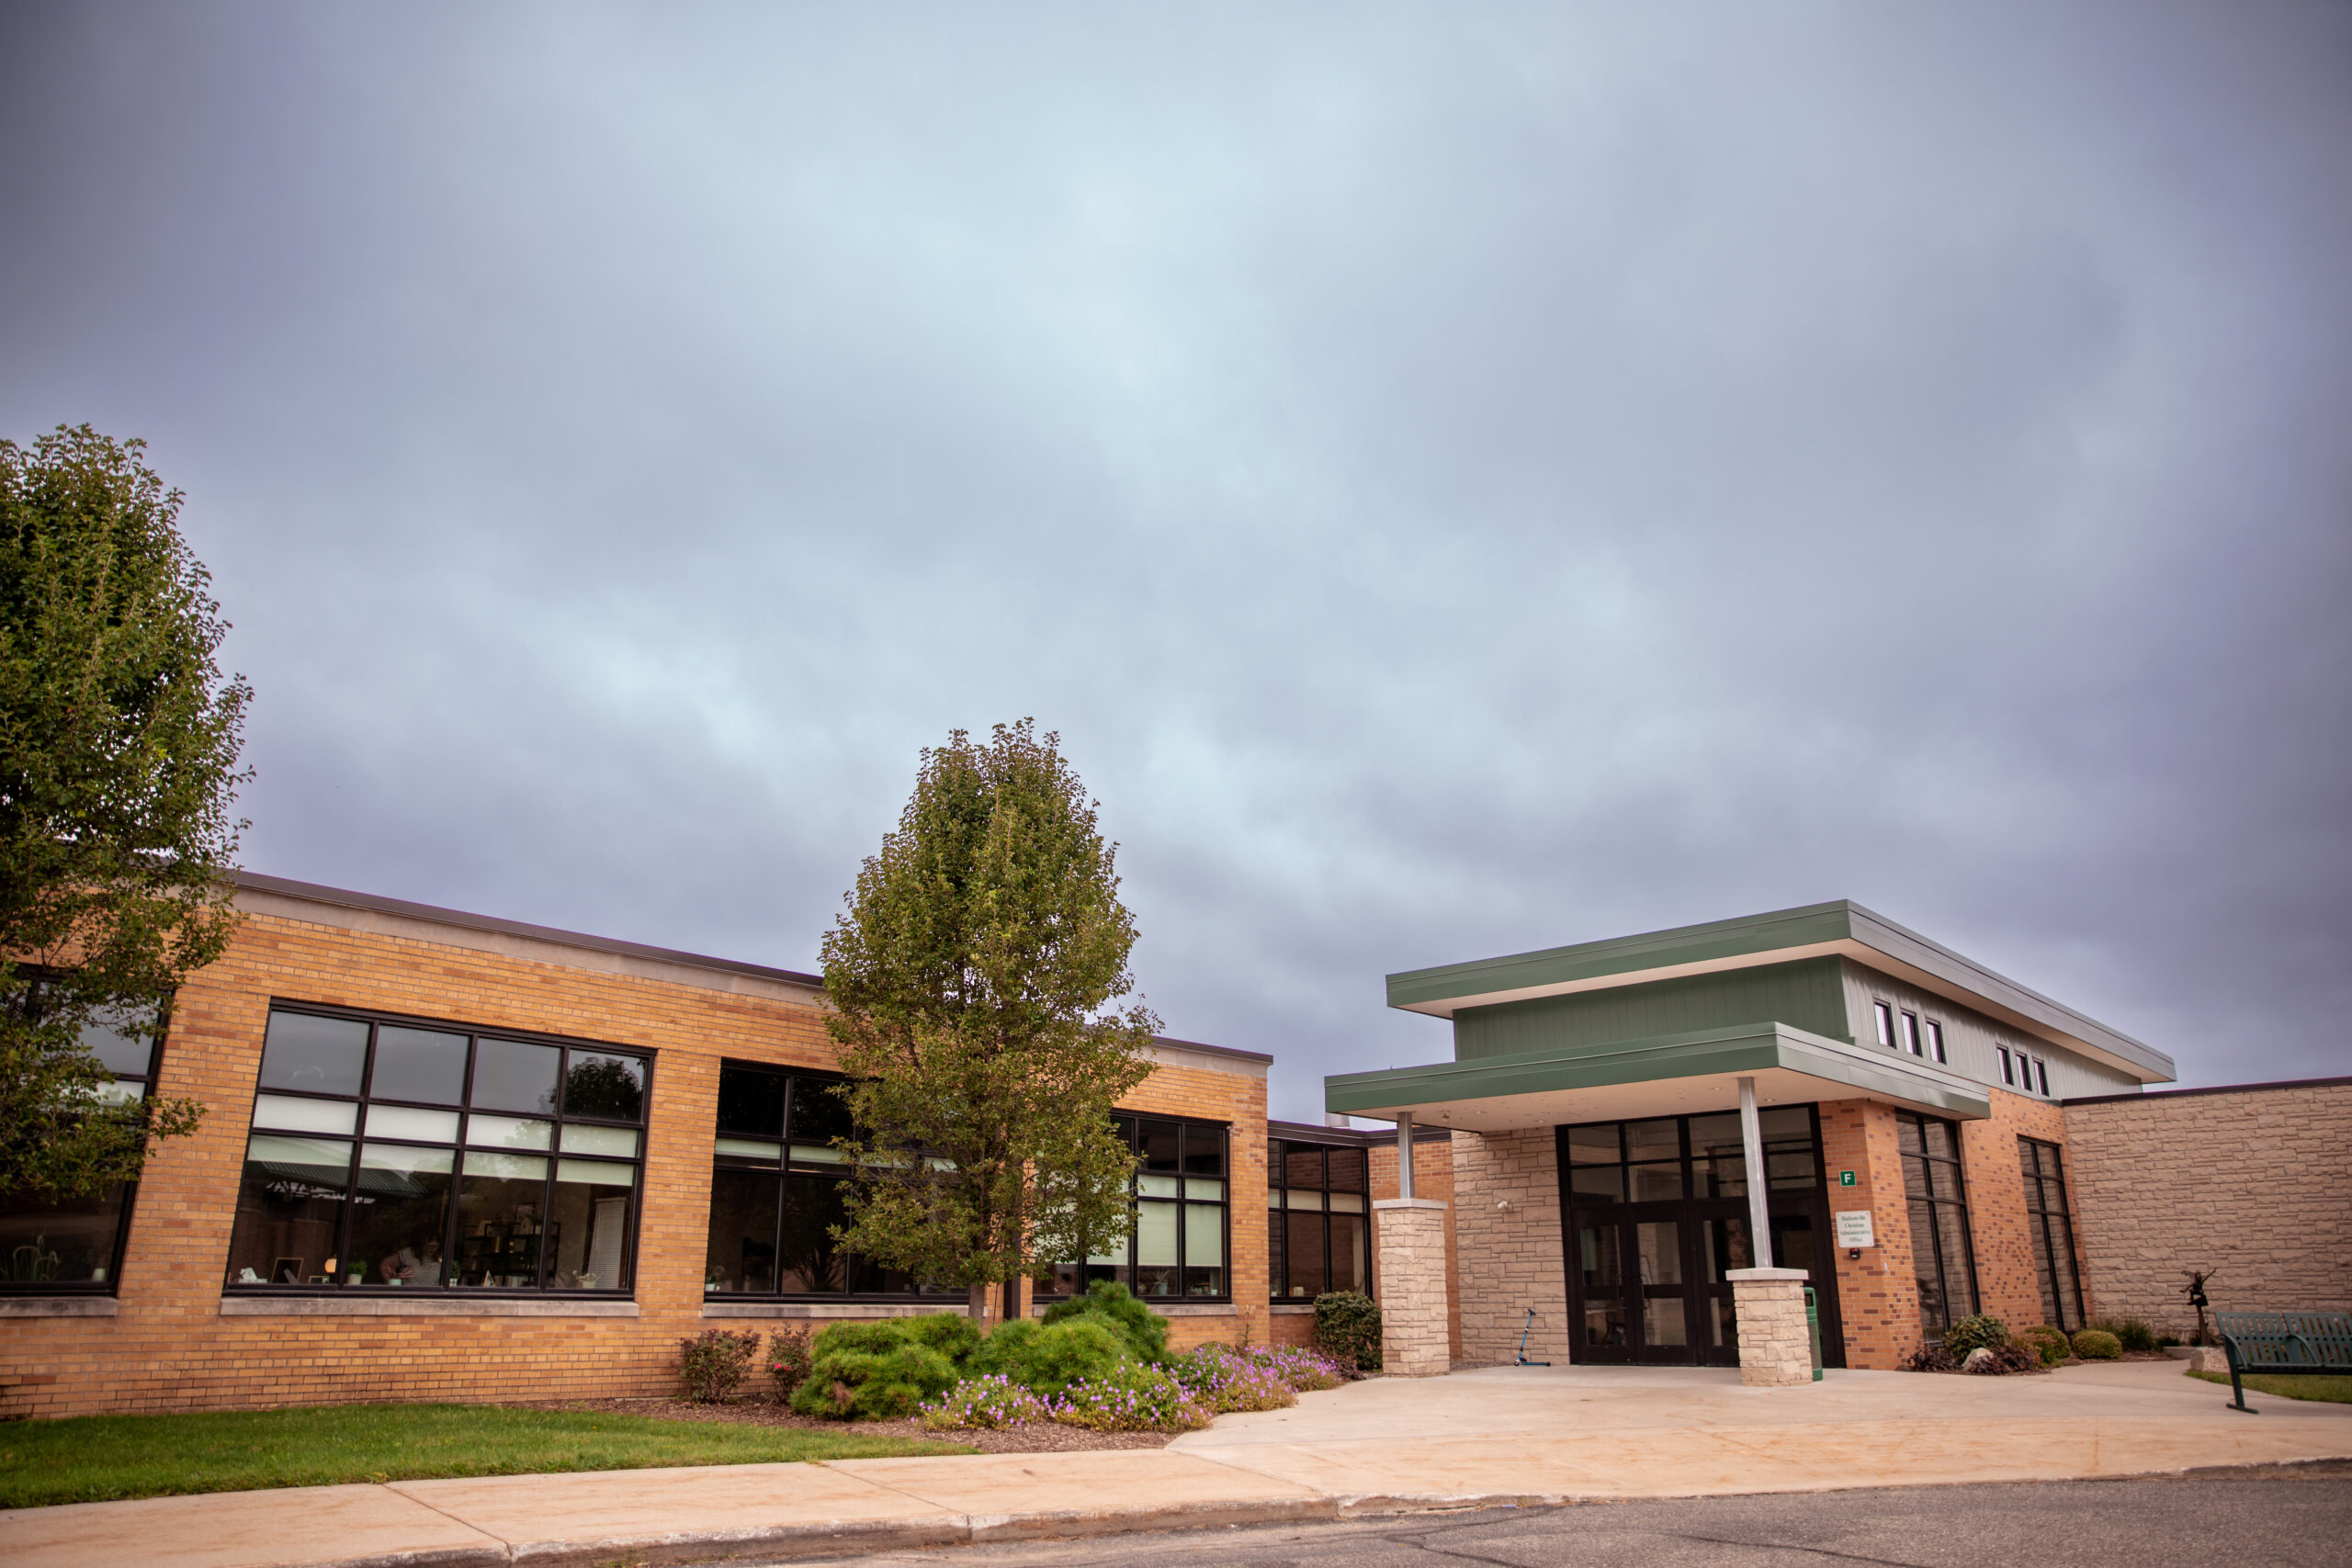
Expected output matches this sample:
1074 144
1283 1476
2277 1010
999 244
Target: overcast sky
1460 477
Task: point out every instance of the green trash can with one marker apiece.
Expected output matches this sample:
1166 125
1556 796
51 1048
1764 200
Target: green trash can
1812 1329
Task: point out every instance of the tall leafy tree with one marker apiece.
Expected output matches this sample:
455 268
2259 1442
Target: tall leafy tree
980 1000
118 743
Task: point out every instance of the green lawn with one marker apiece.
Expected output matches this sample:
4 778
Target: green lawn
2332 1389
92 1458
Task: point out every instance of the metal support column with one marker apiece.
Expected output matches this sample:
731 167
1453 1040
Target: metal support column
1751 1139
1404 1153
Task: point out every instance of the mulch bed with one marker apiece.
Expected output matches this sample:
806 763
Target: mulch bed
1043 1438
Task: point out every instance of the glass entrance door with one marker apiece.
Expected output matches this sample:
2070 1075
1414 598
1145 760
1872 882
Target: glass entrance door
1657 1221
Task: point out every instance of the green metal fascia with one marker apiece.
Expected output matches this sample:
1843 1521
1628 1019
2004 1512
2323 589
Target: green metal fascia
1626 954
1842 920
1751 1048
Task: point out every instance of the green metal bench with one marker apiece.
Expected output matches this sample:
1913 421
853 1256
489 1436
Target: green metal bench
2299 1343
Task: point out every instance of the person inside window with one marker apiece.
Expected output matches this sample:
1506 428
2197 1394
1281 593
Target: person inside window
407 1268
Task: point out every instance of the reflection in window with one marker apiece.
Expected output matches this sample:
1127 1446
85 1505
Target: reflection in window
406 1157
1319 1235
2052 1231
74 1245
1941 1256
1178 1247
775 1192
1644 1162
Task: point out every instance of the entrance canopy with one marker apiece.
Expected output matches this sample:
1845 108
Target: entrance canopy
1666 1075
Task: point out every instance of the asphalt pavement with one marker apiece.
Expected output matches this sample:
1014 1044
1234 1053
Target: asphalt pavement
2300 1517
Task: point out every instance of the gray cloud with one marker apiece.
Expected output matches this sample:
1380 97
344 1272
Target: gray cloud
1460 478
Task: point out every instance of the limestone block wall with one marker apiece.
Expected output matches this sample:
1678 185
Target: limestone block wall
1432 1177
1508 1248
2250 1182
1414 1287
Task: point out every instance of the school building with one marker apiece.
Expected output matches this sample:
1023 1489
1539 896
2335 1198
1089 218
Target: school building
453 1157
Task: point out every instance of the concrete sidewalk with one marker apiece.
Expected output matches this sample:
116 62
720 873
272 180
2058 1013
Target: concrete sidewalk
1516 1435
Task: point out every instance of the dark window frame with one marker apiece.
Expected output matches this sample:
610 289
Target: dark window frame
126 1199
798 1082
560 1117
1132 1121
1924 1193
2009 1067
1907 1033
1937 1051
2032 1154
1882 1017
1278 1212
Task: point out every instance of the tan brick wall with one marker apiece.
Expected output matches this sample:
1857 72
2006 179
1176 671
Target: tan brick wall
2251 1183
1508 1253
170 1349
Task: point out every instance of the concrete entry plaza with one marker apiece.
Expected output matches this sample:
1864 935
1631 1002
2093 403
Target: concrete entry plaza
1594 1432
1493 1435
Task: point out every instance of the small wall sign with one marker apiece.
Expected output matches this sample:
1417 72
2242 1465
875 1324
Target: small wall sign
1844 1179
1854 1228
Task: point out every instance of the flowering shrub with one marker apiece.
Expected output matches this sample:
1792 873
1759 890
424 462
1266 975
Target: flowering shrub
992 1402
713 1365
788 1360
1303 1370
1225 1379
1132 1397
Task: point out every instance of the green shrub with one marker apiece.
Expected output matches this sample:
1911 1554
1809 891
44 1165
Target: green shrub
2048 1342
2097 1345
713 1364
2133 1333
1347 1328
1107 1300
788 1360
1047 1358
1975 1333
952 1334
873 1371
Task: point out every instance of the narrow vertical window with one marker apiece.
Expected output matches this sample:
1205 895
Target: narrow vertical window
2051 1230
1941 1253
1884 1015
1911 1032
2042 1073
2008 1072
1936 1042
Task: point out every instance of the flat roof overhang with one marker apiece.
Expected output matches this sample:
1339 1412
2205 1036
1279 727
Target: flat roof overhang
1675 1075
1844 929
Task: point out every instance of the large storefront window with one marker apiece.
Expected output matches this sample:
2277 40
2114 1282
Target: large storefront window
1318 1235
776 1193
2053 1234
397 1155
1941 1256
1180 1236
74 1246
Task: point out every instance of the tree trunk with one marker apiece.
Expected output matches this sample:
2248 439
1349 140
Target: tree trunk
979 1309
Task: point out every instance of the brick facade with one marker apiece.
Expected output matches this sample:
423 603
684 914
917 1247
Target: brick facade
173 1342
2249 1182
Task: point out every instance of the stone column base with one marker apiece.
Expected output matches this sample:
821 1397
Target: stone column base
1408 1253
1775 1347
